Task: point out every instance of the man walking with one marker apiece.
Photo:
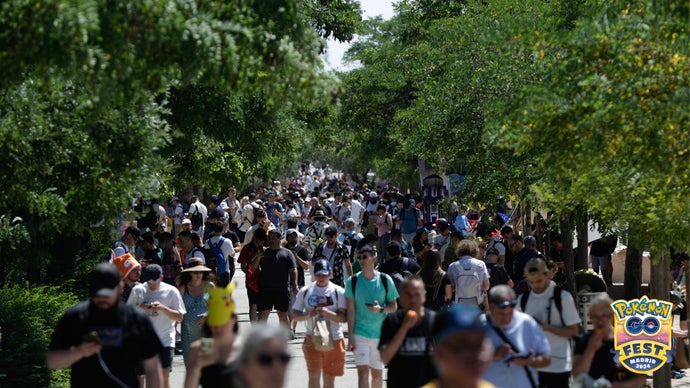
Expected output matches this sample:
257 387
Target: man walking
519 342
322 301
554 309
337 255
225 254
277 278
163 304
104 340
370 296
405 344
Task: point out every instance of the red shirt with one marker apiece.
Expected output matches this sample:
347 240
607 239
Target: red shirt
247 254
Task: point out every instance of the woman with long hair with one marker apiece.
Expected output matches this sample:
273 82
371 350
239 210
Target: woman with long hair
450 255
420 243
435 280
192 284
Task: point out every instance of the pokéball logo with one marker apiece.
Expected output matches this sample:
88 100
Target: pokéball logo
642 333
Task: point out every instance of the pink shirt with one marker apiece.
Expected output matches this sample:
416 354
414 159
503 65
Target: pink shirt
384 224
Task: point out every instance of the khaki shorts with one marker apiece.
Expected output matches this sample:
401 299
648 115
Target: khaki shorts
332 362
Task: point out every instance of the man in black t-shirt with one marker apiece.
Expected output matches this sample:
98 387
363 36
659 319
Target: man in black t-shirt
396 263
105 341
405 343
277 278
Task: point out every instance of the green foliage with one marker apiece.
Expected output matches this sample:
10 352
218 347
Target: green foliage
607 126
337 19
101 101
28 316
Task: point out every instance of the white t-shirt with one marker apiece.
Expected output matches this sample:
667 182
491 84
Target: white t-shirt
168 296
538 307
227 248
356 210
332 297
497 244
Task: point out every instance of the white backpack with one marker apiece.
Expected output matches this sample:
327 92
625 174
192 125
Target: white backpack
467 285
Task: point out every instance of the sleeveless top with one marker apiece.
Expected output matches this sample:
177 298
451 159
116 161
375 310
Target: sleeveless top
218 375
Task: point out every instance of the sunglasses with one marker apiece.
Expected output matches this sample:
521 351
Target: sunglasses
270 359
506 303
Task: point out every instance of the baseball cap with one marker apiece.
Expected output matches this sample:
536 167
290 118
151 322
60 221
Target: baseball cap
134 231
331 231
373 194
291 231
458 318
104 280
536 266
322 267
151 273
275 231
186 221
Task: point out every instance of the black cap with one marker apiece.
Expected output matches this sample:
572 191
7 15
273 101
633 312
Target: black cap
331 231
152 273
134 231
104 280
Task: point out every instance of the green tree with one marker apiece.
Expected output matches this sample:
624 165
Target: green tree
93 96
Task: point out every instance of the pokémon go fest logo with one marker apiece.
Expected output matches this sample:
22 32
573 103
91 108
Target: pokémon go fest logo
643 333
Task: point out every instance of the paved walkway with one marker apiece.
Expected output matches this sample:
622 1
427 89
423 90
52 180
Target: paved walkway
297 376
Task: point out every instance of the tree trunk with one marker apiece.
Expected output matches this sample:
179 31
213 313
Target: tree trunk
568 257
582 225
658 289
632 285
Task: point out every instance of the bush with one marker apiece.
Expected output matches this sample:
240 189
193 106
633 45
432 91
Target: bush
28 316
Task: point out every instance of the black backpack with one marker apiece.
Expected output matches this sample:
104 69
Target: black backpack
401 273
556 300
197 218
351 242
209 257
148 220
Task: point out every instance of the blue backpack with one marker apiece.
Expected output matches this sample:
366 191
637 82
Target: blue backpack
221 262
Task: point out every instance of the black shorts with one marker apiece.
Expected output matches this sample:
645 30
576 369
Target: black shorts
166 356
253 296
280 300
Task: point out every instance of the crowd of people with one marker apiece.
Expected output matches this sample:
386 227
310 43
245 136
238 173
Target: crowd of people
450 304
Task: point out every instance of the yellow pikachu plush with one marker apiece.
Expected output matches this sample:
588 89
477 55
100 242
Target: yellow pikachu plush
220 305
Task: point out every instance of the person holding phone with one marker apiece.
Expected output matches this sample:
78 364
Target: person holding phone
520 343
103 339
210 361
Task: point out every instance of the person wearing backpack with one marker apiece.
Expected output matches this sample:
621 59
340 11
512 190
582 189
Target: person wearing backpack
198 212
224 253
397 267
469 278
370 295
350 238
554 309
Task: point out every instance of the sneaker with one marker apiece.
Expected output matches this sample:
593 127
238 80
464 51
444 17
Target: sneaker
677 375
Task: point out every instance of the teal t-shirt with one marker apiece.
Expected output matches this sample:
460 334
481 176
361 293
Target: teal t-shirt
367 323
